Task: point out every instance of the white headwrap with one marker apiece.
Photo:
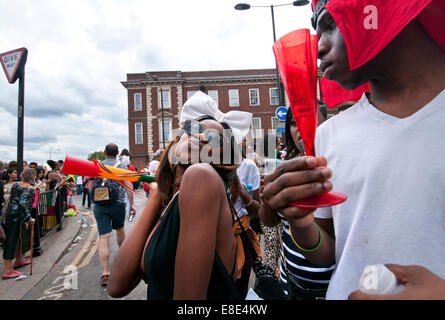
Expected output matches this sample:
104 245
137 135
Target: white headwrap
201 104
125 160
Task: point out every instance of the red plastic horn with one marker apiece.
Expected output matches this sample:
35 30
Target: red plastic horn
296 56
80 167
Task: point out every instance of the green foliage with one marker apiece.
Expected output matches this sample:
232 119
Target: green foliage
99 155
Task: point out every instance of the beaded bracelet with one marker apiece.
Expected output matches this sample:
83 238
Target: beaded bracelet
307 250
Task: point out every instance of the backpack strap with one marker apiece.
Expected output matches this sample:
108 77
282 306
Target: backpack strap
118 163
237 218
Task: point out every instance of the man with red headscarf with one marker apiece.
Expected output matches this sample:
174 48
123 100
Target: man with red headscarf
386 152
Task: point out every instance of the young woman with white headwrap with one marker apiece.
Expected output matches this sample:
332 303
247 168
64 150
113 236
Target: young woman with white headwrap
183 245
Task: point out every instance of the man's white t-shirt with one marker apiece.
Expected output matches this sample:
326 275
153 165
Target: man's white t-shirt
153 167
392 171
247 173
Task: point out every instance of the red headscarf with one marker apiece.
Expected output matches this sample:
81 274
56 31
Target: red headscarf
333 94
363 43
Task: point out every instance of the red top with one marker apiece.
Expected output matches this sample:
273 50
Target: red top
354 19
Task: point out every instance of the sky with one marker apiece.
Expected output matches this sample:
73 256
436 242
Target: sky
79 51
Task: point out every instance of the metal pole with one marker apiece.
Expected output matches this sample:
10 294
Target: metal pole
20 124
162 113
280 96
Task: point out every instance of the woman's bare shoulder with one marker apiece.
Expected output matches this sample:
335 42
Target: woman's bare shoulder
201 177
200 171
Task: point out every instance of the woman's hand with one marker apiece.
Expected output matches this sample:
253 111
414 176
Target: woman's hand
420 283
294 180
153 189
125 270
2 234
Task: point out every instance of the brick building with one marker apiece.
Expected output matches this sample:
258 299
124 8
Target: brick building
244 90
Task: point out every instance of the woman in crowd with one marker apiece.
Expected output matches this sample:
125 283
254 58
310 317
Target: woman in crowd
2 232
18 212
87 184
124 158
300 279
9 178
54 176
183 244
40 183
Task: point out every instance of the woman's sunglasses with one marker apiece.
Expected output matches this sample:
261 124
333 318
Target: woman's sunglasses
213 137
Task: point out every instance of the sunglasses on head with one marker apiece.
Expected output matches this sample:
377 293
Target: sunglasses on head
213 137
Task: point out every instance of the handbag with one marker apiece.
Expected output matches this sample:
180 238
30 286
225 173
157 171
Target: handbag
105 191
296 291
266 286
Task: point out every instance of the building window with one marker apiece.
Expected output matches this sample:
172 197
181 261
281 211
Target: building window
274 98
274 123
138 133
167 130
233 98
137 101
191 93
164 100
214 95
254 97
256 127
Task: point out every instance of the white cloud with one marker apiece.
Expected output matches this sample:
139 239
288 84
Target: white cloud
80 51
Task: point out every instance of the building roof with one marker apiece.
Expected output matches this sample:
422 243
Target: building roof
162 77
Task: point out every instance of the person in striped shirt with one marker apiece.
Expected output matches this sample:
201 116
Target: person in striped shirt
301 279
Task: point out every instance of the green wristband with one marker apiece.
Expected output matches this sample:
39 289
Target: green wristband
306 250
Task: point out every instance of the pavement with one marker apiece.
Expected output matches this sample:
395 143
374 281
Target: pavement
53 245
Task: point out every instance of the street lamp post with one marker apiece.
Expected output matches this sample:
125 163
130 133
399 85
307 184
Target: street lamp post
246 6
57 149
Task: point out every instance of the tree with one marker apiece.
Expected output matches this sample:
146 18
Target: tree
99 155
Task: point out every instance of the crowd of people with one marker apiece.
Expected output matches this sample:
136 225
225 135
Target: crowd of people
18 203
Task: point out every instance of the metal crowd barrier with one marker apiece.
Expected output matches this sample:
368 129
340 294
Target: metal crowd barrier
48 214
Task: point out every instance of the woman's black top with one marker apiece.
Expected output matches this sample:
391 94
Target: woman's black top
20 204
159 263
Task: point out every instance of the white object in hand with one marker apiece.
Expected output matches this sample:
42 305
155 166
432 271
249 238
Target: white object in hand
377 279
270 164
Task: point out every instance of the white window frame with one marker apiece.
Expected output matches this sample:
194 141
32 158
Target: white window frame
165 105
136 108
191 93
272 122
256 134
166 121
232 98
209 93
136 134
277 97
257 97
